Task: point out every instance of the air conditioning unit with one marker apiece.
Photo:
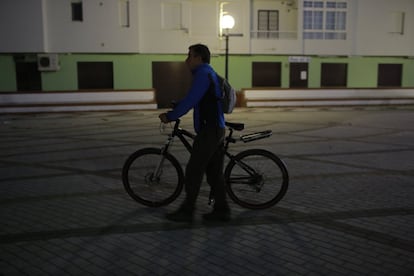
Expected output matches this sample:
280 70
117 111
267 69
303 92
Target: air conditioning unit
48 62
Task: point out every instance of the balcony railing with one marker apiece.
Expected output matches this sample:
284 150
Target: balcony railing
291 35
320 35
288 35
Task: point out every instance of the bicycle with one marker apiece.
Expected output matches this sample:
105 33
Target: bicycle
254 178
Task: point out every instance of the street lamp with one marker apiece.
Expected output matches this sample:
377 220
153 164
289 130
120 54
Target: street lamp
226 24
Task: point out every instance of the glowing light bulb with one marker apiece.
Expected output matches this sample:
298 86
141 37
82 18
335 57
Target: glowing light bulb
227 22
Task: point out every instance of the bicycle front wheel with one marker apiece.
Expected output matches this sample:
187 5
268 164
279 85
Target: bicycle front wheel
151 178
256 179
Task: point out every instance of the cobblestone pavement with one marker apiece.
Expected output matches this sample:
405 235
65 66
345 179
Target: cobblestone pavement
349 209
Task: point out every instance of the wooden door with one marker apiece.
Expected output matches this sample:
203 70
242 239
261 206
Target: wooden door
171 81
266 74
298 75
28 77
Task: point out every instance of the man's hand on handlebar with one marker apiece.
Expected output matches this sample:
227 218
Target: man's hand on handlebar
163 117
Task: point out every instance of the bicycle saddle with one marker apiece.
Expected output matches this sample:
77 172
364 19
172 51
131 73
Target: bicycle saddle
235 126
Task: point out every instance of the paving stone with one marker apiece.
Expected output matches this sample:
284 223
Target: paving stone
349 209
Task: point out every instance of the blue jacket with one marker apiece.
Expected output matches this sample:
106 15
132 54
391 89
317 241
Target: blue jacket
201 85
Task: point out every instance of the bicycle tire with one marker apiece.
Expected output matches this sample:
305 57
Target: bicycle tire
138 180
265 188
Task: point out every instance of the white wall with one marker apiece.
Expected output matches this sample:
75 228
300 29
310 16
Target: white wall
100 30
374 28
169 26
21 26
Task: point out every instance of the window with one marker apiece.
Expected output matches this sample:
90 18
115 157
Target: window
334 74
266 74
95 75
324 20
313 20
396 23
123 6
389 75
335 20
268 23
77 11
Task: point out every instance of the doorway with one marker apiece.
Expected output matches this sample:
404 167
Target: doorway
266 74
95 75
171 81
334 74
298 75
28 77
390 75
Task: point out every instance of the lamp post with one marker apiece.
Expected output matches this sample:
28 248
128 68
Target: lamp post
227 57
226 24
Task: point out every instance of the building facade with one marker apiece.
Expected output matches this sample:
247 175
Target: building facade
71 45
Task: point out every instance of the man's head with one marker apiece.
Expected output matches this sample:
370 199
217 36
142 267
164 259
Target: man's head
197 54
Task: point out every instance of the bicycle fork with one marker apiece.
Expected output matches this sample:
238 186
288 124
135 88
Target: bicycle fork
156 175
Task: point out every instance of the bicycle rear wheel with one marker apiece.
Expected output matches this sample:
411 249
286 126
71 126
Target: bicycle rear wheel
151 178
256 179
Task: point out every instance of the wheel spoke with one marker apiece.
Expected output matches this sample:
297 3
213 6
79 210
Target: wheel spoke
152 179
262 184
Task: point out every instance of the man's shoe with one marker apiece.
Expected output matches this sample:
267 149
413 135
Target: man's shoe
181 215
218 216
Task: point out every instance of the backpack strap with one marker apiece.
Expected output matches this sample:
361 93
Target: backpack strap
214 86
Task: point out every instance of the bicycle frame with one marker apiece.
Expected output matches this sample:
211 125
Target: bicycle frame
182 134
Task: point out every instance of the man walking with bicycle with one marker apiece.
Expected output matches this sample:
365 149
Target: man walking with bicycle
207 156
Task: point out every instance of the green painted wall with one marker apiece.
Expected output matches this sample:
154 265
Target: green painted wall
7 73
408 73
362 72
134 71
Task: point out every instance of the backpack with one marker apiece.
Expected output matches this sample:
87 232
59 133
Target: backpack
228 94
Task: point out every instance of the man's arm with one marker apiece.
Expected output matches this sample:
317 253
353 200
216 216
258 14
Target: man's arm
199 86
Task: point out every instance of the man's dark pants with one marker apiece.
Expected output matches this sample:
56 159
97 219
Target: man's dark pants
207 157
